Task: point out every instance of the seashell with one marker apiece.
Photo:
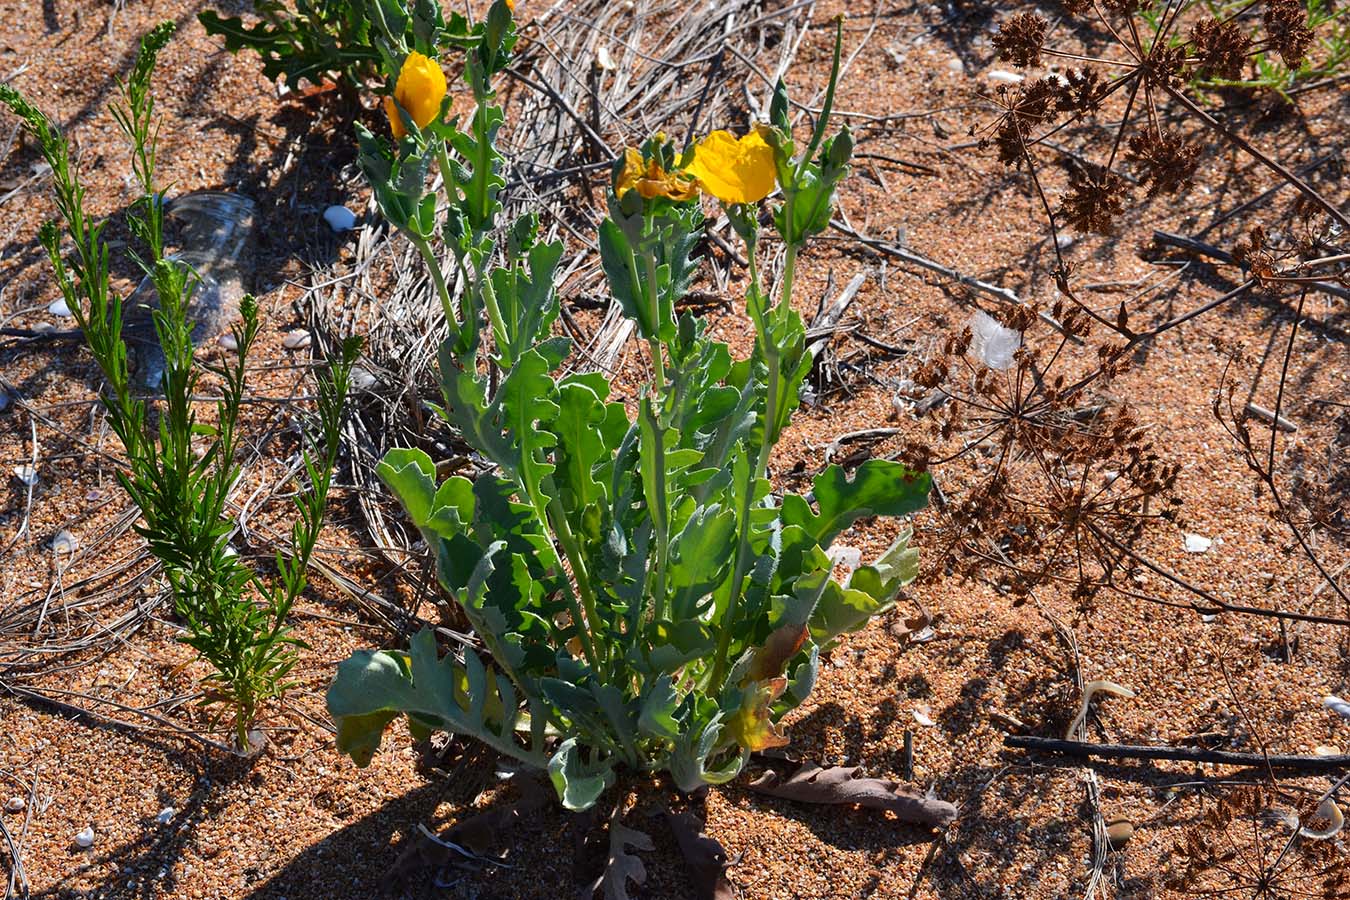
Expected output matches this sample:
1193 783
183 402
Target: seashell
64 542
85 839
339 218
60 308
228 342
26 474
166 815
1197 543
298 339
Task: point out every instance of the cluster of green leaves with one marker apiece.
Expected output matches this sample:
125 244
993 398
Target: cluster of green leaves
180 470
646 601
318 40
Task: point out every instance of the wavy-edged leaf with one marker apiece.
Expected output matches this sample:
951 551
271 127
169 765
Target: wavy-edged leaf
878 487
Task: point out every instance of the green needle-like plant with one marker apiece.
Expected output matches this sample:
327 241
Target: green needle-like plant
180 470
645 600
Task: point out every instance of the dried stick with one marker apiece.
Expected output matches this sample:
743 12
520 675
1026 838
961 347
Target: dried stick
1185 754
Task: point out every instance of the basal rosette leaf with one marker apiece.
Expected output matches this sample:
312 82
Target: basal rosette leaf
374 687
578 783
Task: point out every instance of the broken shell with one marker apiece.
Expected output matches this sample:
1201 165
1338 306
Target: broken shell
228 342
1328 812
64 542
1197 543
339 218
298 339
923 718
15 804
1119 832
166 815
1326 750
604 61
59 308
26 474
1337 705
85 839
1005 76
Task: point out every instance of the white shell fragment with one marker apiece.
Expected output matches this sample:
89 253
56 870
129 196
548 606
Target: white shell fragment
1005 76
923 718
339 218
1337 705
64 542
1329 813
604 61
85 839
26 474
15 804
59 308
1089 690
166 815
1197 543
228 342
991 343
298 339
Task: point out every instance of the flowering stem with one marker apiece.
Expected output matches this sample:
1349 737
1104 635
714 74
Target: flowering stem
437 278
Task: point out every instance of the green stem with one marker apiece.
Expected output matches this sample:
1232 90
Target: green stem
437 278
572 550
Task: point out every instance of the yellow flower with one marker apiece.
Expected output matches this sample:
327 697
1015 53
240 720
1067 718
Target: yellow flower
419 90
650 180
734 170
511 5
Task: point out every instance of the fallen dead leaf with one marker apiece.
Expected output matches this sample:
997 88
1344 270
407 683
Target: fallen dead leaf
843 784
621 866
706 858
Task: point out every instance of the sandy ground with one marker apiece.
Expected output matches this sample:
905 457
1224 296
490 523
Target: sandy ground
302 822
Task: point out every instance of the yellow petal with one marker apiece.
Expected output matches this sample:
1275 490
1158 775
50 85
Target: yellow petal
420 89
395 120
734 170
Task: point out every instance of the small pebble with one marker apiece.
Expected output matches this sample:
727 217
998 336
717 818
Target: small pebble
26 474
85 839
1198 543
64 542
339 218
1119 832
228 342
59 308
166 815
15 804
298 339
362 380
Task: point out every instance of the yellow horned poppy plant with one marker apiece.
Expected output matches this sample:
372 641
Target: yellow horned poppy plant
419 90
734 170
650 180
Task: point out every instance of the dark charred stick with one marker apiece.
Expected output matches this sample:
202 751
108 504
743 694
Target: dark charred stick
1185 754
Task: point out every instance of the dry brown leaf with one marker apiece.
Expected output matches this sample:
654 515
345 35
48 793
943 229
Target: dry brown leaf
620 865
706 858
468 838
843 784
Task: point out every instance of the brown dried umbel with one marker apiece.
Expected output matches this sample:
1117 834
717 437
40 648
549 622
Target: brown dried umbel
1221 49
1248 845
1019 39
1168 161
1287 30
1070 475
1096 196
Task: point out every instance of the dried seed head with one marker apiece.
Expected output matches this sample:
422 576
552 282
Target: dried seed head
1167 159
1083 93
1019 39
1287 28
1096 196
1221 48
